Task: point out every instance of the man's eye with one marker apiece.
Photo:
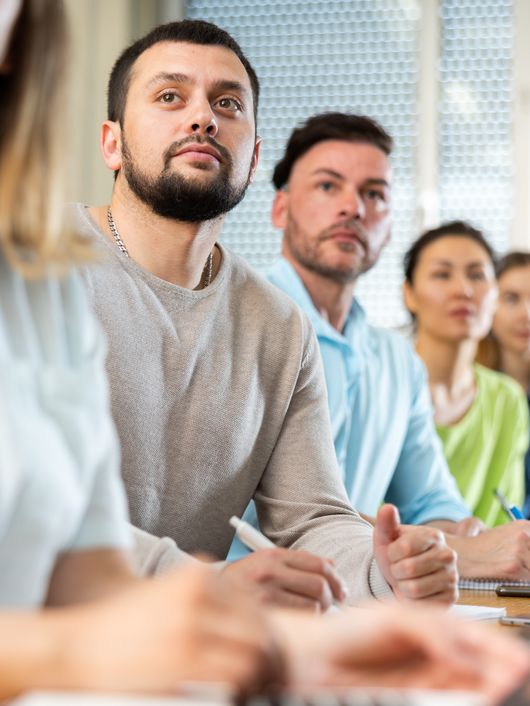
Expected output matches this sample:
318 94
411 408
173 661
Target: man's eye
229 104
477 276
326 186
168 98
440 275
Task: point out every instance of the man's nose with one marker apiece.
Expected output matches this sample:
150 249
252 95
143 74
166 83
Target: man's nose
202 120
352 206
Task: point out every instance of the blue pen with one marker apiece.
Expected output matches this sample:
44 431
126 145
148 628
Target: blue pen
512 511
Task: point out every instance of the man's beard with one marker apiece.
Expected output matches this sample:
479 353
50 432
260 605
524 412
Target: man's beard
173 196
307 255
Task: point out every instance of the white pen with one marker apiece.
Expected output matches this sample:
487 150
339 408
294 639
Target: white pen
250 536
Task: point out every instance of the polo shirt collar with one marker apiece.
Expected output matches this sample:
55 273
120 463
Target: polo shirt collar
287 277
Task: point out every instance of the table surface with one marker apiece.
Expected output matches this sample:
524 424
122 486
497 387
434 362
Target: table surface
514 606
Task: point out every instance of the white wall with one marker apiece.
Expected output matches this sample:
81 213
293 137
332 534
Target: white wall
99 31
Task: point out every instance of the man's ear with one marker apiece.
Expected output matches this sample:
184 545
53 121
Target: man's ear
409 298
280 209
255 159
110 144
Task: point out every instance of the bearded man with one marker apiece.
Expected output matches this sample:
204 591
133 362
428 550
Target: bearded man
217 388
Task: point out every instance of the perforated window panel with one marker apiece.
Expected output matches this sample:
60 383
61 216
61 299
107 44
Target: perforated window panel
362 56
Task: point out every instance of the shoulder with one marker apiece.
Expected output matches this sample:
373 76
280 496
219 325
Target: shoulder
396 347
498 385
503 397
46 319
79 219
77 216
271 306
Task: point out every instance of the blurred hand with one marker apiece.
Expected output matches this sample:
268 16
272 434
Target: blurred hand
469 527
415 561
400 646
191 625
502 551
293 579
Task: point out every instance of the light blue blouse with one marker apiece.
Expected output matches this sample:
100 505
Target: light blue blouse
60 489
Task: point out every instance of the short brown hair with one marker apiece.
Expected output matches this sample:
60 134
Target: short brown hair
190 31
329 126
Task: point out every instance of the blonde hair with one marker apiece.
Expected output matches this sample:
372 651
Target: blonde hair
32 233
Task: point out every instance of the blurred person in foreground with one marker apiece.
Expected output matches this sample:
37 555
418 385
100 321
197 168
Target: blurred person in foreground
64 536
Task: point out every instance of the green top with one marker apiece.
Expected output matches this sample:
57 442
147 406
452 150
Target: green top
485 449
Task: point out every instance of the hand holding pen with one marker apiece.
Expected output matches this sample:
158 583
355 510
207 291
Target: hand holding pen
286 577
512 511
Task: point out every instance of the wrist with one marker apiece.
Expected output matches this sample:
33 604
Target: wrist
31 660
467 551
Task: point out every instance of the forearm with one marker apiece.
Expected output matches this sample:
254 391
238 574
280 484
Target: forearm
30 653
89 575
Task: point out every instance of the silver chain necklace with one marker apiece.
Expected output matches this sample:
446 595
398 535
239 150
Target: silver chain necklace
206 276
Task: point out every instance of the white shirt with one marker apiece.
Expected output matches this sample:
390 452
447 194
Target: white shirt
59 461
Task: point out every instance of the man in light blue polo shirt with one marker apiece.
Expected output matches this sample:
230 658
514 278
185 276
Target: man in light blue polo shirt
333 204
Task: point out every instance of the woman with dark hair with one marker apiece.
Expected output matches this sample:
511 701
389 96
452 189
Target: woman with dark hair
481 416
507 348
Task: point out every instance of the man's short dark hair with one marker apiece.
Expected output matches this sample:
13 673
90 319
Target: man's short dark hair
329 126
190 31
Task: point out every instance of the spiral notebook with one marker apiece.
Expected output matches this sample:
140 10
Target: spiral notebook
488 584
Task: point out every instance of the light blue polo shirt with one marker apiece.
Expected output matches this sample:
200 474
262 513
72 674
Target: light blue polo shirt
381 417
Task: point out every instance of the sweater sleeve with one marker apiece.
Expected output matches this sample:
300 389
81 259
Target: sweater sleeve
155 555
301 501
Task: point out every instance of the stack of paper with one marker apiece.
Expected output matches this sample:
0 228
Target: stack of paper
477 612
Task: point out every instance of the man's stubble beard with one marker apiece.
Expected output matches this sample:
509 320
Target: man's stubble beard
174 196
308 257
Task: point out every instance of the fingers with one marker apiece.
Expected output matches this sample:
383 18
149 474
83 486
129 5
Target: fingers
423 566
312 564
488 661
414 541
439 587
290 578
502 551
387 527
436 558
398 646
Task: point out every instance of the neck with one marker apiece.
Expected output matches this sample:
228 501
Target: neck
517 366
449 364
331 299
171 250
